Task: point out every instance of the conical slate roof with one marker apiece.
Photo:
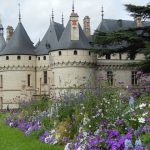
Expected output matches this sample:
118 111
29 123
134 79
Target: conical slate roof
2 43
66 42
111 25
20 43
2 40
50 39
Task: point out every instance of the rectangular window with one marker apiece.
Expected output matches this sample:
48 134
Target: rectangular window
29 80
1 81
45 77
110 78
108 56
134 80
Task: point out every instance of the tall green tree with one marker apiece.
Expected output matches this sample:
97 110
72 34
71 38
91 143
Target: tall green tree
131 41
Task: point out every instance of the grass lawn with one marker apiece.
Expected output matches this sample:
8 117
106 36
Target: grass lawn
13 139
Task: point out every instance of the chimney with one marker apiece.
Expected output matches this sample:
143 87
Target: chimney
10 32
138 21
86 24
74 25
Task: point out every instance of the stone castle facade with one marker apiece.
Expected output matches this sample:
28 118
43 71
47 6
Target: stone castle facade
61 61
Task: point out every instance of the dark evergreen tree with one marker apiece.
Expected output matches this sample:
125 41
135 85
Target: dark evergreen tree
131 41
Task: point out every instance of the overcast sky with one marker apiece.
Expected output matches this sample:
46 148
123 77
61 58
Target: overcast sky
36 13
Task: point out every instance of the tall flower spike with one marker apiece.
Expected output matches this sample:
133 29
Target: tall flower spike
52 15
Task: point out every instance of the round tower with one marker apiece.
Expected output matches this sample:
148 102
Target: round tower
73 64
17 69
43 69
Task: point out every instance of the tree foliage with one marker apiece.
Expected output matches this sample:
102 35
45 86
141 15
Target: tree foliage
131 41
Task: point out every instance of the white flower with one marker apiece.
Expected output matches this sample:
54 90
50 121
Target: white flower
10 124
133 119
80 129
67 147
83 107
144 114
82 147
142 105
90 126
47 138
55 142
86 120
141 120
100 110
53 131
97 132
85 134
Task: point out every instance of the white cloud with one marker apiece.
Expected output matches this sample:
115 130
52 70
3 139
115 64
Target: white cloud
36 13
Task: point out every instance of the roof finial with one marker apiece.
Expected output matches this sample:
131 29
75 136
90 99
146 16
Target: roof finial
102 12
19 13
62 19
0 19
73 7
52 15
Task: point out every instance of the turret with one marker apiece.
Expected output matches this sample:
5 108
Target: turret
86 24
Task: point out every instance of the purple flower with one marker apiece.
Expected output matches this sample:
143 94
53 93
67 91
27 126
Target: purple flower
119 122
147 119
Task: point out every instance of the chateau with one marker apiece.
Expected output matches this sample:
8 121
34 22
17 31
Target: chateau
61 61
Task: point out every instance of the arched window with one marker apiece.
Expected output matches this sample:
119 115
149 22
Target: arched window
59 53
110 78
89 53
18 57
7 57
75 52
30 57
44 57
134 79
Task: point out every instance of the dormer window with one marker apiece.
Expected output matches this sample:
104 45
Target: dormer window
18 57
75 52
7 57
44 57
59 53
30 57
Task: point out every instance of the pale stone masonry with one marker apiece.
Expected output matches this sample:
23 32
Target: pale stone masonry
62 61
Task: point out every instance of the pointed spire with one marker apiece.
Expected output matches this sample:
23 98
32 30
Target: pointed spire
62 19
1 27
102 12
50 19
0 20
52 15
19 13
73 7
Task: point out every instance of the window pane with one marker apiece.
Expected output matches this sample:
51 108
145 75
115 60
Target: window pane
29 80
45 77
110 78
